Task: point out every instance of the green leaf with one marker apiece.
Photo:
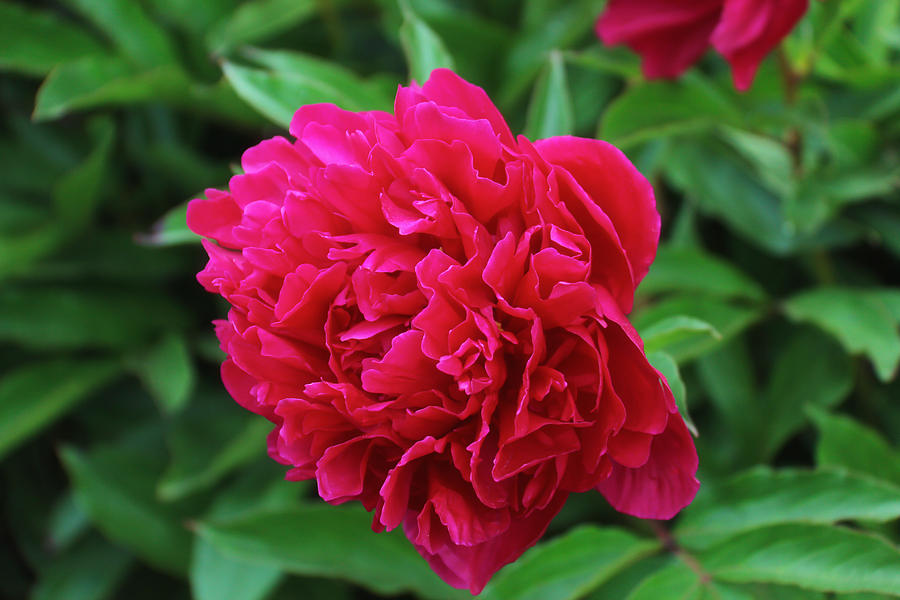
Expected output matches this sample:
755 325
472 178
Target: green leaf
770 159
171 230
768 591
551 111
569 566
123 508
725 187
21 249
762 497
95 81
816 557
66 523
207 442
884 223
675 329
626 580
256 21
33 41
681 582
125 23
424 50
195 17
846 443
328 541
89 571
77 195
102 80
33 396
725 317
659 109
608 61
215 576
822 195
61 318
348 88
666 365
277 95
168 373
728 377
562 26
674 581
693 270
796 381
857 318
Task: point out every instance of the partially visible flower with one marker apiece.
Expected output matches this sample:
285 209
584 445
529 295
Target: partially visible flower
671 35
432 314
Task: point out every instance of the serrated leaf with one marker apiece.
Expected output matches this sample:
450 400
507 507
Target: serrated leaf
256 21
666 365
33 41
846 443
762 497
121 508
569 566
816 557
424 49
33 396
551 111
327 541
693 270
857 318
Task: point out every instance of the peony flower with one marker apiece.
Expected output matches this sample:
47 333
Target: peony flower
432 313
671 35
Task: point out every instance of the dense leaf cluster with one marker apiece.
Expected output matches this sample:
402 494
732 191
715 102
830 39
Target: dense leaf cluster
773 308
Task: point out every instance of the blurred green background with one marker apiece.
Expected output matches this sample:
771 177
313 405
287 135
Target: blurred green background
773 308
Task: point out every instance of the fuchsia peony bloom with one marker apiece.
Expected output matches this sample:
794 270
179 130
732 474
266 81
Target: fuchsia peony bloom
432 313
671 35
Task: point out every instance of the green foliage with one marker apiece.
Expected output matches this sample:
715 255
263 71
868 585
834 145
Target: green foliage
424 50
772 310
333 546
570 565
551 111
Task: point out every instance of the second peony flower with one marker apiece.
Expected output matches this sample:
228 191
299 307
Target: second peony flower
432 313
671 35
